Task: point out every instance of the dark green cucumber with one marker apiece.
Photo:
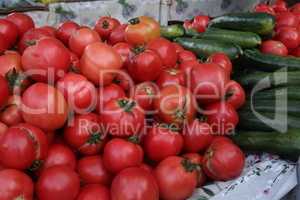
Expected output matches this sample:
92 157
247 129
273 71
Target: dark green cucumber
293 93
260 23
172 31
243 39
204 48
285 144
268 62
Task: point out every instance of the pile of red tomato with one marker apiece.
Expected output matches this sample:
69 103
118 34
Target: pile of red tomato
286 40
111 112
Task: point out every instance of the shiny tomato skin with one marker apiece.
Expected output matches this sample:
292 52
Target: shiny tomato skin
124 50
186 55
144 94
187 66
94 192
49 29
175 182
84 134
171 76
146 167
200 23
295 8
15 185
123 79
289 36
117 35
22 21
3 43
274 47
160 143
92 171
11 115
197 159
56 183
134 183
105 25
10 60
54 111
286 19
9 30
4 91
119 154
280 6
65 31
264 8
3 129
177 47
235 94
98 62
222 60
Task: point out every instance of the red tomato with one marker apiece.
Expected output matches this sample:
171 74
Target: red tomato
78 92
187 24
280 6
235 94
3 129
99 63
58 182
197 136
222 139
105 25
289 36
161 142
222 60
4 91
122 117
146 167
200 23
295 8
15 185
264 8
117 35
186 55
81 38
123 79
94 192
177 47
171 76
9 30
296 52
145 66
65 30
223 161
274 47
176 178
75 62
197 159
49 29
187 66
91 170
175 105
8 61
120 154
222 117
43 56
134 183
12 113
144 95
124 50
84 134
3 43
44 106
286 19
22 21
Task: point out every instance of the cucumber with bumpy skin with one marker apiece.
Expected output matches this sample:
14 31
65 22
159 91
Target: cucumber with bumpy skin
172 31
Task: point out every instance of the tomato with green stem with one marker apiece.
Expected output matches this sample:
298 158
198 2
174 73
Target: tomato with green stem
144 95
105 25
235 94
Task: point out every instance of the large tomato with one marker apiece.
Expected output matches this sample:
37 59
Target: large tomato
286 19
117 35
164 48
274 47
289 36
235 94
162 142
123 79
9 30
175 105
142 30
222 60
120 154
92 171
9 61
177 47
98 63
197 136
105 25
84 134
3 43
56 183
197 159
171 76
122 117
134 183
124 49
3 129
65 31
187 67
223 161
176 178
185 55
144 94
44 106
45 60
94 192
12 113
4 91
200 23
80 93
22 21
15 185
49 29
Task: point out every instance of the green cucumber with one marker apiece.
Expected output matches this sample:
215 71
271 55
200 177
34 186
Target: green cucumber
204 48
293 93
260 23
172 31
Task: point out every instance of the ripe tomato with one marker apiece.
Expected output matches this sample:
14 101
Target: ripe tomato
3 129
274 47
120 154
171 76
235 94
9 31
187 67
4 91
124 50
223 161
177 47
222 117
222 60
75 62
94 192
3 43
264 8
286 19
15 185
146 167
295 8
122 117
44 106
81 38
134 183
65 30
296 52
175 105
176 178
164 48
144 94
58 182
161 142
197 159
105 25
80 93
22 21
186 55
92 171
84 134
145 66
8 61
99 63
142 30
289 36
117 35
197 136
12 113
200 23
49 29
280 6
123 79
